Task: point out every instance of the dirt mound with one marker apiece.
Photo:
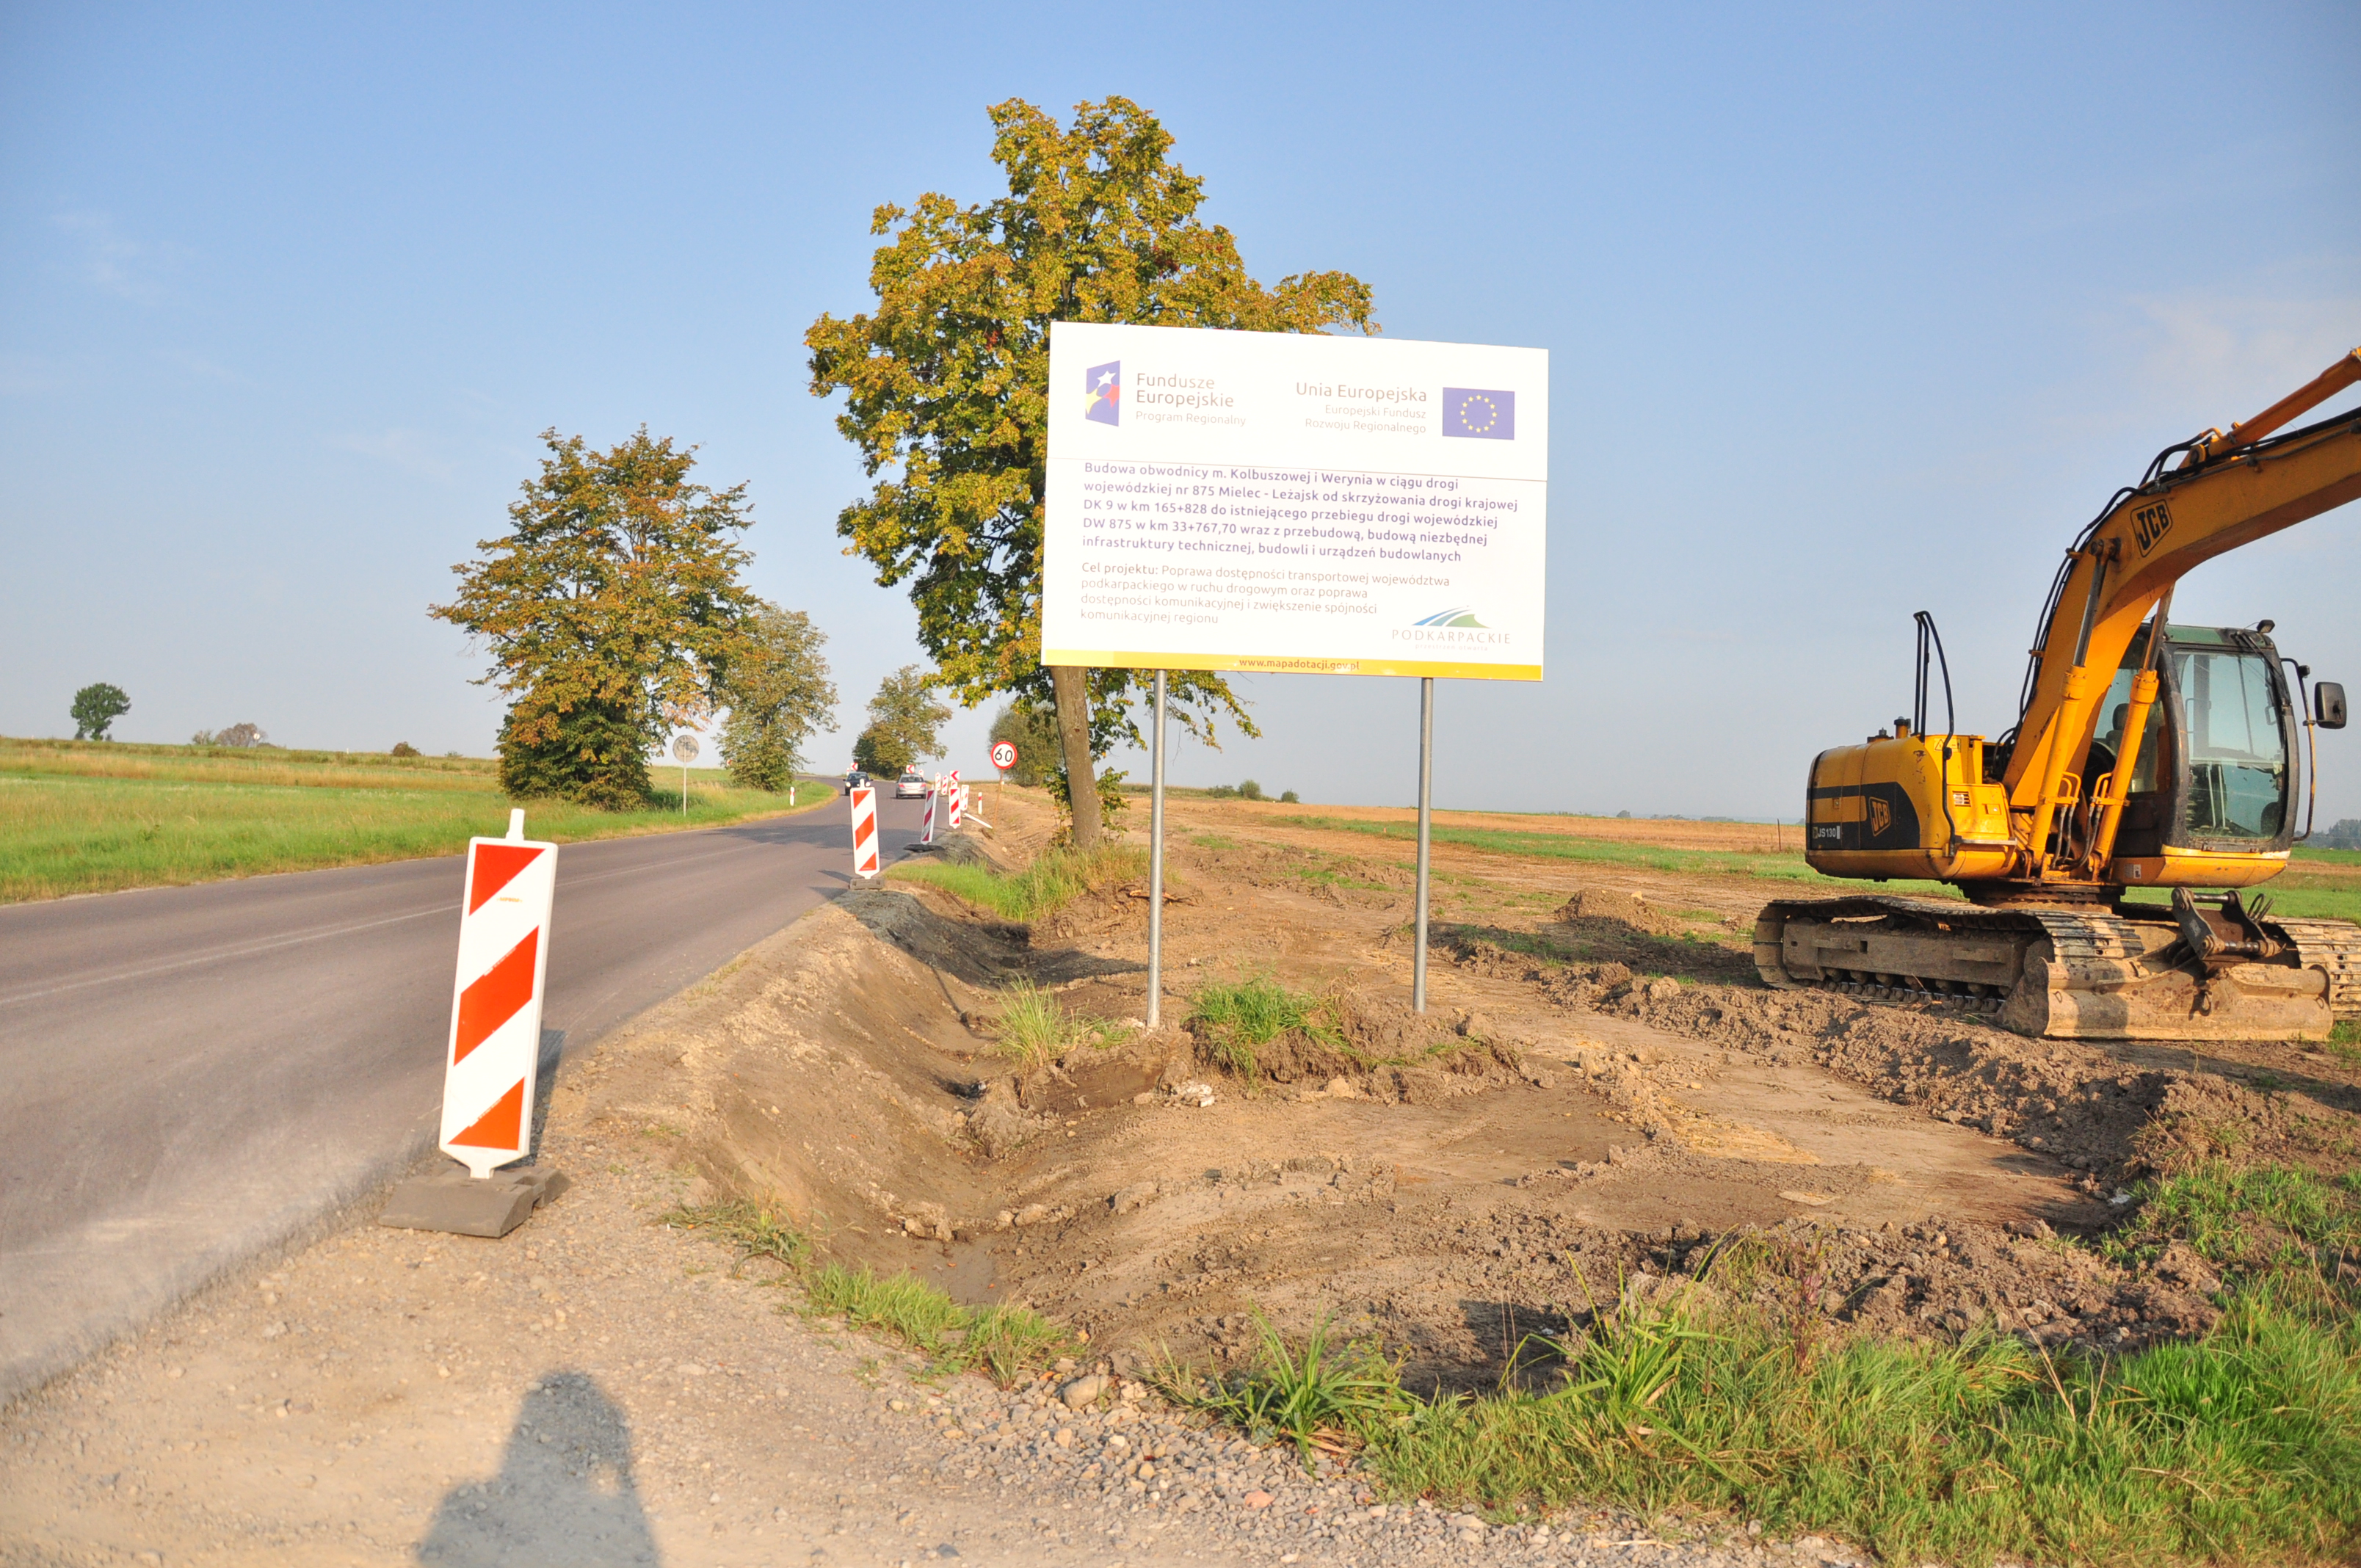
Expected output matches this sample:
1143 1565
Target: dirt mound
1623 908
2088 1107
1951 1277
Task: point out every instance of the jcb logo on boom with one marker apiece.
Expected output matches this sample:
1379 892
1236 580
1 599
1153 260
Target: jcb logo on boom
2150 524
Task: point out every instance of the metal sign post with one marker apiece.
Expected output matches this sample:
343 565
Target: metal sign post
1004 757
684 748
1426 831
1156 865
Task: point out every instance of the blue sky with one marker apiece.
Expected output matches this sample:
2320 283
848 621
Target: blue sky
1853 311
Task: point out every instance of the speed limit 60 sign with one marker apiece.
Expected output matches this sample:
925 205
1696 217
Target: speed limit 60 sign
1003 755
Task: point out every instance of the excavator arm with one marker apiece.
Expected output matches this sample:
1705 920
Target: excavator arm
2230 489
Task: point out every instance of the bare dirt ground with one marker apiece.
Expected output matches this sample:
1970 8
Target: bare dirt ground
1599 1096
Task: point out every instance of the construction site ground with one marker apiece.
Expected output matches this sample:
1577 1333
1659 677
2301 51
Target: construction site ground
1601 1093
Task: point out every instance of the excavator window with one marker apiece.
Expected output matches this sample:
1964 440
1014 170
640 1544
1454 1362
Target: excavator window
2237 748
2109 745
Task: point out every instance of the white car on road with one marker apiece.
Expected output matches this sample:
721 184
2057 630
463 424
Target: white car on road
910 787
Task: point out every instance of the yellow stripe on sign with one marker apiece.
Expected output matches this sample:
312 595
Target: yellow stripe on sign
1101 657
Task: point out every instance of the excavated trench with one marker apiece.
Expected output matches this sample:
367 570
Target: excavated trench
1556 1135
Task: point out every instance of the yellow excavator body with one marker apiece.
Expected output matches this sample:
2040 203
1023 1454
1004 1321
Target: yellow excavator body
2146 755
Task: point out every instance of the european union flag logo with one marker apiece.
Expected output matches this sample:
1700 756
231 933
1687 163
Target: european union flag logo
1106 394
1479 415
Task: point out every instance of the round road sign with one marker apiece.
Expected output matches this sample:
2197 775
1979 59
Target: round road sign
684 748
1003 755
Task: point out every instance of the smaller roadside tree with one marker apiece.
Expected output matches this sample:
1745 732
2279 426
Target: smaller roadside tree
905 723
611 608
95 707
242 737
1034 732
778 692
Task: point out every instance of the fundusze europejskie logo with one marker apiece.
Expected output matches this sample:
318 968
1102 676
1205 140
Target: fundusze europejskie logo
1479 414
1106 392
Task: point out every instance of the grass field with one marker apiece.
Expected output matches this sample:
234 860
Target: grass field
2317 883
89 816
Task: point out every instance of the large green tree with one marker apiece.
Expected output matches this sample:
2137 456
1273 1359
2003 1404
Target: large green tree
778 692
95 707
612 609
946 386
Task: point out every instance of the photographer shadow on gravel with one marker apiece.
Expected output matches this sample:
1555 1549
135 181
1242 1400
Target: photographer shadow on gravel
564 1497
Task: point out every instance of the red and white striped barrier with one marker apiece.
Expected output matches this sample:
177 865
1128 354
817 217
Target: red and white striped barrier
494 1051
864 832
927 835
958 800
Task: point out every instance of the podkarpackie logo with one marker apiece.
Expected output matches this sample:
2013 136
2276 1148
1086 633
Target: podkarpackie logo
1106 394
1462 616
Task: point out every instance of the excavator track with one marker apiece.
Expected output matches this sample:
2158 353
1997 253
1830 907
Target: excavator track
2333 947
2062 973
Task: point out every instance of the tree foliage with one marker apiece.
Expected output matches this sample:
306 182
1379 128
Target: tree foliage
612 609
905 724
95 707
946 382
779 693
1034 732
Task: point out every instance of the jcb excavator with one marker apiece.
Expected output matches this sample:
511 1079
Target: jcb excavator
2144 755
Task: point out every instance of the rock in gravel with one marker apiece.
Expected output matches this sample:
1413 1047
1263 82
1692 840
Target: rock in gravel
1137 1196
1256 1500
1080 1393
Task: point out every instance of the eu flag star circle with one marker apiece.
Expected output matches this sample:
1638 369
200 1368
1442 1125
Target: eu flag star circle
1492 415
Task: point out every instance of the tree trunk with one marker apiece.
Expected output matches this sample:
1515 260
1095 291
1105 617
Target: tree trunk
1070 686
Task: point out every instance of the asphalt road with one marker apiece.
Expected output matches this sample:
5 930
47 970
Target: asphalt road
193 1073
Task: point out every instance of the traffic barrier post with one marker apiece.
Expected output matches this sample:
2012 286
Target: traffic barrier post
864 832
492 1057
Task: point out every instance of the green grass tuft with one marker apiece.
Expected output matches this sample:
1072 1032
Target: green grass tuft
1005 1341
749 1227
1321 1396
1033 1029
1237 1020
1054 879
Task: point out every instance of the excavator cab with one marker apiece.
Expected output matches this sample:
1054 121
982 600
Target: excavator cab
2213 797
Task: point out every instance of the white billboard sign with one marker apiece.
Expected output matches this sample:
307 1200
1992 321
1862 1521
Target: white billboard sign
1296 502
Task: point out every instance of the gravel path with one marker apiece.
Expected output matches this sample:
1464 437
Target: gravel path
598 1388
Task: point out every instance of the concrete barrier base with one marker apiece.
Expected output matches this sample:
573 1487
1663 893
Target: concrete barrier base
455 1201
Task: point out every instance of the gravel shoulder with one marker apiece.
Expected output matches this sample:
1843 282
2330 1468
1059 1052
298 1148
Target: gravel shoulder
600 1389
